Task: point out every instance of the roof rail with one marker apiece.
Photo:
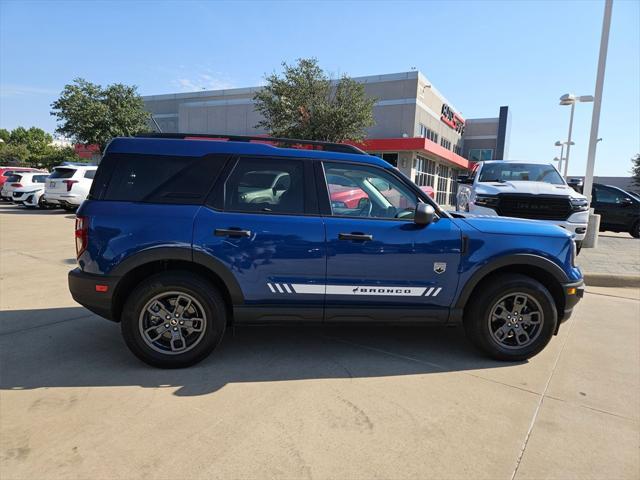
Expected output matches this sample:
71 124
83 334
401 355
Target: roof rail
327 146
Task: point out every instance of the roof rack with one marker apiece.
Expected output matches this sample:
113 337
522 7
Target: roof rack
327 146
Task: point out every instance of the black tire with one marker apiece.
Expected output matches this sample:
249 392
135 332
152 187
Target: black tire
478 313
635 230
206 296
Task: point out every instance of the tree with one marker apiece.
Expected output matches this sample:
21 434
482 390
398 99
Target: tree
33 148
304 103
36 140
91 114
635 169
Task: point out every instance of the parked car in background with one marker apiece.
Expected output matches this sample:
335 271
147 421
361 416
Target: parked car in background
619 210
22 183
524 190
6 172
31 196
69 185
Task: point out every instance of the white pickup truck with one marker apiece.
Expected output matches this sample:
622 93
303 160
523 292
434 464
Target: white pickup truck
524 190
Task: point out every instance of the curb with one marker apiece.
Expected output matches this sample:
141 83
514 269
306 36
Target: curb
611 280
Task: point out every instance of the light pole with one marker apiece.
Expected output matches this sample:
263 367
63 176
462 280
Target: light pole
571 99
591 240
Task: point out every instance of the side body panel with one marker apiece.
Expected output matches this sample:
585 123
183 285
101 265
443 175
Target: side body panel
280 266
407 270
120 230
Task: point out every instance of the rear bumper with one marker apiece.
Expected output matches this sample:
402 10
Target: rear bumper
83 290
573 293
64 198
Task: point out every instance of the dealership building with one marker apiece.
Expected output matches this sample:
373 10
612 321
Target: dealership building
416 128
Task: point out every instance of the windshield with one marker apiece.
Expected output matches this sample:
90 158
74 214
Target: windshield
520 172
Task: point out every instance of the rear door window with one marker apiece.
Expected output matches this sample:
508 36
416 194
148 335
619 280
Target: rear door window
266 186
40 178
62 173
157 178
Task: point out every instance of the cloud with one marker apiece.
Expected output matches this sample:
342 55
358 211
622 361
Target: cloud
12 90
202 81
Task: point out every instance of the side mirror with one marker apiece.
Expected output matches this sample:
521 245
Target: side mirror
424 214
626 202
464 179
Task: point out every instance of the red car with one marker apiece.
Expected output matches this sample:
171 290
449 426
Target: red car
350 196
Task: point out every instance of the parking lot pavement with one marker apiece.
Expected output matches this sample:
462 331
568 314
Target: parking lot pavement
617 254
302 402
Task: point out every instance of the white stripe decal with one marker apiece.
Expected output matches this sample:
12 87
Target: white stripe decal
307 288
376 290
367 290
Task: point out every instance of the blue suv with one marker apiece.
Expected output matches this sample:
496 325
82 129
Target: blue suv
184 235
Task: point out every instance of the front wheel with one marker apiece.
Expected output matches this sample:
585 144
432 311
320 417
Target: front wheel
173 319
512 317
635 230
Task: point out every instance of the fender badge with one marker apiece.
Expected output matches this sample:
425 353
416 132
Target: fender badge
439 267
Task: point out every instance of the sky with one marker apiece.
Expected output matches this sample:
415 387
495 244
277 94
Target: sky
479 54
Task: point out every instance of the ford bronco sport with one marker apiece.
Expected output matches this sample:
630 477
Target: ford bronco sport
184 235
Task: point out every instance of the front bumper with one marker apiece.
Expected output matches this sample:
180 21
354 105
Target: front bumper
573 293
83 288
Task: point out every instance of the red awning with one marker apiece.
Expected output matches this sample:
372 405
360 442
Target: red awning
415 144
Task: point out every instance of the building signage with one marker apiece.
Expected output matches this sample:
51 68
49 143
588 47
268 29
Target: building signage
452 119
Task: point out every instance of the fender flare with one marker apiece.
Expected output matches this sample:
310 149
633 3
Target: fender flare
508 260
185 254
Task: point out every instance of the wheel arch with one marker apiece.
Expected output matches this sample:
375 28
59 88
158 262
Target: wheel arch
539 268
138 267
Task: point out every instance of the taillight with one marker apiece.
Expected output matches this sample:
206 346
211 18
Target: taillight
17 185
69 184
82 235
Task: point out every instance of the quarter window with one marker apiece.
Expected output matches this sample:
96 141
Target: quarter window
361 191
266 186
157 178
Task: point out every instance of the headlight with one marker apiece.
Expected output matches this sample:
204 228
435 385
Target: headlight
490 201
579 204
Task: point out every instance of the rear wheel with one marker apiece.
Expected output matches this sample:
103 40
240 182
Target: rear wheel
173 320
513 317
635 230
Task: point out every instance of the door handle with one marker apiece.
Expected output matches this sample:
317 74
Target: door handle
355 236
231 232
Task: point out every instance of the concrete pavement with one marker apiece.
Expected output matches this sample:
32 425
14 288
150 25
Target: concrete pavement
299 402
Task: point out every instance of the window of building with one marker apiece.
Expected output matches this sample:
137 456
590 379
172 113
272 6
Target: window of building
429 134
457 148
445 143
365 191
425 172
480 154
